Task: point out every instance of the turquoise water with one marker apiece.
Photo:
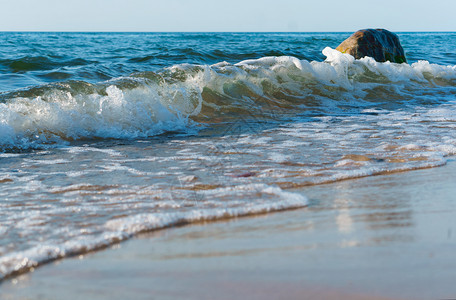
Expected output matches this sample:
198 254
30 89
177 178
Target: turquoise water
104 135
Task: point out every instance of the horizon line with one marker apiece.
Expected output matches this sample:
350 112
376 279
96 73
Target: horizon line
133 31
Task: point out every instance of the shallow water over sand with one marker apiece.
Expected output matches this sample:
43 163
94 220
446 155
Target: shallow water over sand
380 237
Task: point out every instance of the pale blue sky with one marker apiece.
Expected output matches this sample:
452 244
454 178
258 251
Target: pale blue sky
233 15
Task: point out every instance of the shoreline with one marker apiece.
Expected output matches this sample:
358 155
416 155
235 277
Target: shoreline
377 237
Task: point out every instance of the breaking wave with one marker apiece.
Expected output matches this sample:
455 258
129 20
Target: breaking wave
183 97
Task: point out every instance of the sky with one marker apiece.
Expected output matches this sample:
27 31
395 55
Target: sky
233 15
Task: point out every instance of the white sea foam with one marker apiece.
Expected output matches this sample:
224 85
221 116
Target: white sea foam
122 228
58 117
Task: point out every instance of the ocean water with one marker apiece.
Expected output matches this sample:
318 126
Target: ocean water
106 135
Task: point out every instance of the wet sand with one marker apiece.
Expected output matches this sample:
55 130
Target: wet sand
380 237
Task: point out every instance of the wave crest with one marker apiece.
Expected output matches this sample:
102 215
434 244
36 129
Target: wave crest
176 98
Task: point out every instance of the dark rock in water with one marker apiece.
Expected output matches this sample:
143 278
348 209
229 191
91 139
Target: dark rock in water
380 44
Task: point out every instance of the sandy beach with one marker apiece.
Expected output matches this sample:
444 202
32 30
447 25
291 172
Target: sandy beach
381 237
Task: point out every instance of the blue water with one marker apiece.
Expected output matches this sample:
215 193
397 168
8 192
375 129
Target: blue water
38 58
29 59
104 135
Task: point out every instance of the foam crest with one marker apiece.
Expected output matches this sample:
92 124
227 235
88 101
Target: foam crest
424 72
59 116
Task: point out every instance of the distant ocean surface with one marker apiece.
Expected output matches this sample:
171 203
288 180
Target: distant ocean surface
105 135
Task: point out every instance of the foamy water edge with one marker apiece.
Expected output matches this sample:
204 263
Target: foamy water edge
121 229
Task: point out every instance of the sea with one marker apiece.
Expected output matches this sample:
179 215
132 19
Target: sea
107 135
